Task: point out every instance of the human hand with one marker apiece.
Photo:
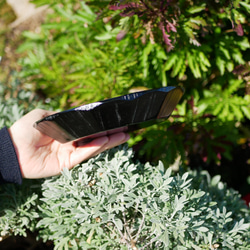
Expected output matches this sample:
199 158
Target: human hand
40 156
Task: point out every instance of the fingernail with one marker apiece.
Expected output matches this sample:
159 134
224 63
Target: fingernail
127 137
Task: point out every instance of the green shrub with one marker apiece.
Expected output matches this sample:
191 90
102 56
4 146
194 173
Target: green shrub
18 208
113 202
93 50
77 57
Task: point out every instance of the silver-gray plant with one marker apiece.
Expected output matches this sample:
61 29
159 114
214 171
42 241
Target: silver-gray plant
110 202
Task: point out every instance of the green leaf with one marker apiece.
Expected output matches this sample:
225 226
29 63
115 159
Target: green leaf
119 224
225 112
230 66
245 5
204 59
87 8
215 180
237 56
234 85
32 35
246 111
104 36
179 65
236 111
198 20
192 63
84 17
170 62
225 51
203 229
196 9
63 12
145 54
220 64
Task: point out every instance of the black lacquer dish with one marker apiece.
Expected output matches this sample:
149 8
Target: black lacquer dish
125 113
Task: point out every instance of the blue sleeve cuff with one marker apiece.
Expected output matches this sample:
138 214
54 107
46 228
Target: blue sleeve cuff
9 166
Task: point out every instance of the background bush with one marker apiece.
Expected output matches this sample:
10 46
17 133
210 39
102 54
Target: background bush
89 51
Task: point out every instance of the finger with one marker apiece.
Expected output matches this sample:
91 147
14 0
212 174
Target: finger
117 139
86 141
97 146
114 140
88 150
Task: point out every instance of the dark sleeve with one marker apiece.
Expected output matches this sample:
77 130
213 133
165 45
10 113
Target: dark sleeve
9 165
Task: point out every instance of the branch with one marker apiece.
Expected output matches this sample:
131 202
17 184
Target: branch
152 241
121 234
140 228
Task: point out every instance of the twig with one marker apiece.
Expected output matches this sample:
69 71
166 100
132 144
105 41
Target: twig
123 237
140 228
136 211
126 226
154 239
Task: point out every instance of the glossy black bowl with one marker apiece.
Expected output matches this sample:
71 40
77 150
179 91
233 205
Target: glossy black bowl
124 113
